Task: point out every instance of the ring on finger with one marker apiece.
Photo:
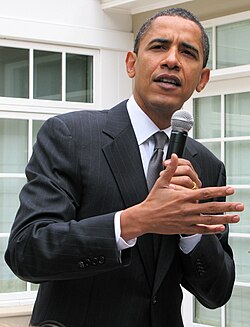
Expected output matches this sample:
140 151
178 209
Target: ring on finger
194 186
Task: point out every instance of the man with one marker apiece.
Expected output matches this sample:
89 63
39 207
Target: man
87 227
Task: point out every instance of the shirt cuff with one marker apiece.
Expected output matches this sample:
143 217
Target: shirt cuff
188 243
120 242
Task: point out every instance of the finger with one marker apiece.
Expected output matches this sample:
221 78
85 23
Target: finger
207 229
185 175
215 207
219 219
186 182
181 162
210 192
167 174
210 219
210 224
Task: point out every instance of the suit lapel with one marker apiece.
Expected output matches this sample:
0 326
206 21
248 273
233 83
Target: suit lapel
123 156
190 153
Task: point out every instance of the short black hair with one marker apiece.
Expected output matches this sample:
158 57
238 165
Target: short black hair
180 12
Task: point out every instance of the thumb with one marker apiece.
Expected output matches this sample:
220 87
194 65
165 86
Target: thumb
167 174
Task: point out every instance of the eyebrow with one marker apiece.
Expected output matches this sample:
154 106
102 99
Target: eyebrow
167 41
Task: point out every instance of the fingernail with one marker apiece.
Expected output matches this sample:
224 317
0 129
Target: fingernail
239 207
236 218
229 190
221 229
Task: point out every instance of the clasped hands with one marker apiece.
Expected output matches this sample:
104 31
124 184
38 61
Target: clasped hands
173 206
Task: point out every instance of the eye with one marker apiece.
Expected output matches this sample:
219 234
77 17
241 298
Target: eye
189 53
158 47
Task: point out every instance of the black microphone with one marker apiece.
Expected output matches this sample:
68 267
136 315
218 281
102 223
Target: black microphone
181 122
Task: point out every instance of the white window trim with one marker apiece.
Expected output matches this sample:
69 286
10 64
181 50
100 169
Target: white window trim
216 22
52 106
227 19
240 77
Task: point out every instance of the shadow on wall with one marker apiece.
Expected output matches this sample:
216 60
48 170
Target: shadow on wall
18 321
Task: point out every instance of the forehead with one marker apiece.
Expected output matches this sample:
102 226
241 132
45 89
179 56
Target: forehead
174 27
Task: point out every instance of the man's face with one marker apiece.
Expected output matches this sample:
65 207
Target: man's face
168 66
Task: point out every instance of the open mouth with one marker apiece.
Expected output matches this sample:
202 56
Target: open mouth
168 80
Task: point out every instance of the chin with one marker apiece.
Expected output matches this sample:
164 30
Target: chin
167 105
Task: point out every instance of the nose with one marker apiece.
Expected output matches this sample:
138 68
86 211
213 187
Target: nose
171 59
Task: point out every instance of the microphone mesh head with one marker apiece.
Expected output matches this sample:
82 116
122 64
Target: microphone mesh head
182 121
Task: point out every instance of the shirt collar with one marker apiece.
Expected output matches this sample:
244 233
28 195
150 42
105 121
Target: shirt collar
139 119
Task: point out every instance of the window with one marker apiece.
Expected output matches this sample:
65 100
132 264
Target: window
222 123
47 75
48 79
79 86
36 82
229 44
16 137
233 44
14 72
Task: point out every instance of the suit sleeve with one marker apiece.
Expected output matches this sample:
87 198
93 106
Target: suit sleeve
48 241
209 270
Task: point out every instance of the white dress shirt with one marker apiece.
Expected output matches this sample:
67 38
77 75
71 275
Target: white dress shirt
144 129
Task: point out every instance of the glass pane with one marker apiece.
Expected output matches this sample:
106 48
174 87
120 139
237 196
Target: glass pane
9 201
233 44
36 126
207 115
8 281
14 72
241 250
214 147
206 316
237 162
47 75
209 32
13 145
237 309
237 114
241 195
79 78
34 287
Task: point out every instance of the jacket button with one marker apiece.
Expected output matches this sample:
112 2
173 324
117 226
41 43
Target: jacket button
201 271
87 262
101 259
94 261
154 299
81 264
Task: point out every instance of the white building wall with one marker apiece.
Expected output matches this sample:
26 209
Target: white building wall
74 24
78 23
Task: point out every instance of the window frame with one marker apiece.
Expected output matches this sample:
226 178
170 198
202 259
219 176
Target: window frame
39 109
216 22
224 81
53 106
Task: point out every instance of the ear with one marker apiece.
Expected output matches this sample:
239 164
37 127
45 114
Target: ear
130 63
205 74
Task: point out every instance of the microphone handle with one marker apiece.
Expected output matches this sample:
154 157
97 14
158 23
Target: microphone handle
177 143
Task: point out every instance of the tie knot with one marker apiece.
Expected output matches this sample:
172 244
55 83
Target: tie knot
160 139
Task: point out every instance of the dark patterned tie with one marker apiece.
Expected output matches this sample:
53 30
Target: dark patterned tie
154 168
155 163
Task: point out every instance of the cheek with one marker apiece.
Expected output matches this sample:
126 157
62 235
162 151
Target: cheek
147 65
193 80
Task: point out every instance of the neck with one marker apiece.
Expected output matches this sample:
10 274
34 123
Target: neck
160 114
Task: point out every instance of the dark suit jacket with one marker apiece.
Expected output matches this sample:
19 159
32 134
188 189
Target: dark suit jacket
85 167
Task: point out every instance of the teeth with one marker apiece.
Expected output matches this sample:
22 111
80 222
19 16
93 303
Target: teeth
166 80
